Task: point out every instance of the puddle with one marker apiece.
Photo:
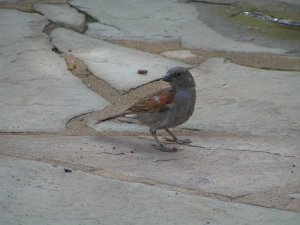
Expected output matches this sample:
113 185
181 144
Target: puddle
274 25
286 22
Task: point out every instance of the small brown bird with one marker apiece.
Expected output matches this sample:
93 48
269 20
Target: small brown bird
166 108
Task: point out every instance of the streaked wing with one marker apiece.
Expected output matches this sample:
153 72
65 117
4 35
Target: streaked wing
156 102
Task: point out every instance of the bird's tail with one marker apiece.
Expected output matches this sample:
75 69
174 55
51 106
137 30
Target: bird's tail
108 118
126 114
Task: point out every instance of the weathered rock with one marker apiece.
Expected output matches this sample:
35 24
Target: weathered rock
177 21
62 15
103 31
115 64
54 197
227 166
179 54
117 126
239 99
37 92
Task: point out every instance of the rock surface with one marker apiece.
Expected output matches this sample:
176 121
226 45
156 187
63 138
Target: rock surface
115 64
177 21
238 99
38 193
242 166
37 92
227 166
62 15
179 54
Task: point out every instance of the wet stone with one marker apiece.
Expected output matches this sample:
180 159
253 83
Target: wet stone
177 21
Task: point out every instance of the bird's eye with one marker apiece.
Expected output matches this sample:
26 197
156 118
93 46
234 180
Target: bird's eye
177 75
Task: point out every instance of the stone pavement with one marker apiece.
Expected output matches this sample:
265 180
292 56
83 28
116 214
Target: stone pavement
65 64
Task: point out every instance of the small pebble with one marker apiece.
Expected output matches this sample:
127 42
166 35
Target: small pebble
67 170
142 72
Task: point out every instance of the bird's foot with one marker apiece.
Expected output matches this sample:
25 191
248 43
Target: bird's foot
180 141
165 149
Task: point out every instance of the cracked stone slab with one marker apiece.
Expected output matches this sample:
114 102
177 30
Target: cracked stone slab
159 21
52 196
37 92
226 166
238 99
62 15
115 64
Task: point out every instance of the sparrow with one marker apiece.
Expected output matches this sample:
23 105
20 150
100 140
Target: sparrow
166 108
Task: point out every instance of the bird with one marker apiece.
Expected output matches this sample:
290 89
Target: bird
166 108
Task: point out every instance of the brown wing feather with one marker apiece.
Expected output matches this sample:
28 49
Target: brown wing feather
155 102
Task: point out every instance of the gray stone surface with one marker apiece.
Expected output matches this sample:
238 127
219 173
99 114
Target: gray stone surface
179 54
238 99
177 21
38 193
115 64
227 166
62 15
117 126
37 92
103 31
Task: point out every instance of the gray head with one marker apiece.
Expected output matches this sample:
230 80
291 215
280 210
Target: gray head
179 77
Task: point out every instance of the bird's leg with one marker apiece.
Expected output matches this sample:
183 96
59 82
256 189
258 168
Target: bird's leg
159 145
175 139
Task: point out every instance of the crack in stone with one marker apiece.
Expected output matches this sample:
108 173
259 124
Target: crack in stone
146 181
165 160
88 18
110 25
123 177
241 150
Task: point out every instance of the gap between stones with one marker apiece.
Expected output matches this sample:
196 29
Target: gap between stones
123 177
170 187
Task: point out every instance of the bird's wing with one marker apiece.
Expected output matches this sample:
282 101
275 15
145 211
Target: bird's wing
159 101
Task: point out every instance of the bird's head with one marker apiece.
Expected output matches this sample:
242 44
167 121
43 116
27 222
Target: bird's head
179 77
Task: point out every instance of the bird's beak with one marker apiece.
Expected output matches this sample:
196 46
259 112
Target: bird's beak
167 77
